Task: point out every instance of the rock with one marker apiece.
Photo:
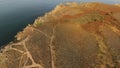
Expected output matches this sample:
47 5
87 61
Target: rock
69 36
117 5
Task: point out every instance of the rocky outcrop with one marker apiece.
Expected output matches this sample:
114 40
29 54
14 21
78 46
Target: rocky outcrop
85 35
117 5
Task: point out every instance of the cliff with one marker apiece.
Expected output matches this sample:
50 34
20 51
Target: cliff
85 35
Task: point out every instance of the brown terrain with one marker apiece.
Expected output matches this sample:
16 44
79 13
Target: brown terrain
85 35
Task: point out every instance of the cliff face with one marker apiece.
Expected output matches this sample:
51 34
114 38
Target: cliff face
85 35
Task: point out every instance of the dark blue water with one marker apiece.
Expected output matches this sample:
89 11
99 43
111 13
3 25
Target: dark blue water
16 14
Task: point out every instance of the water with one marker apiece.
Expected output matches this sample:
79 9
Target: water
16 14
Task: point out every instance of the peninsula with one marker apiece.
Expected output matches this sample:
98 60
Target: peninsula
85 35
